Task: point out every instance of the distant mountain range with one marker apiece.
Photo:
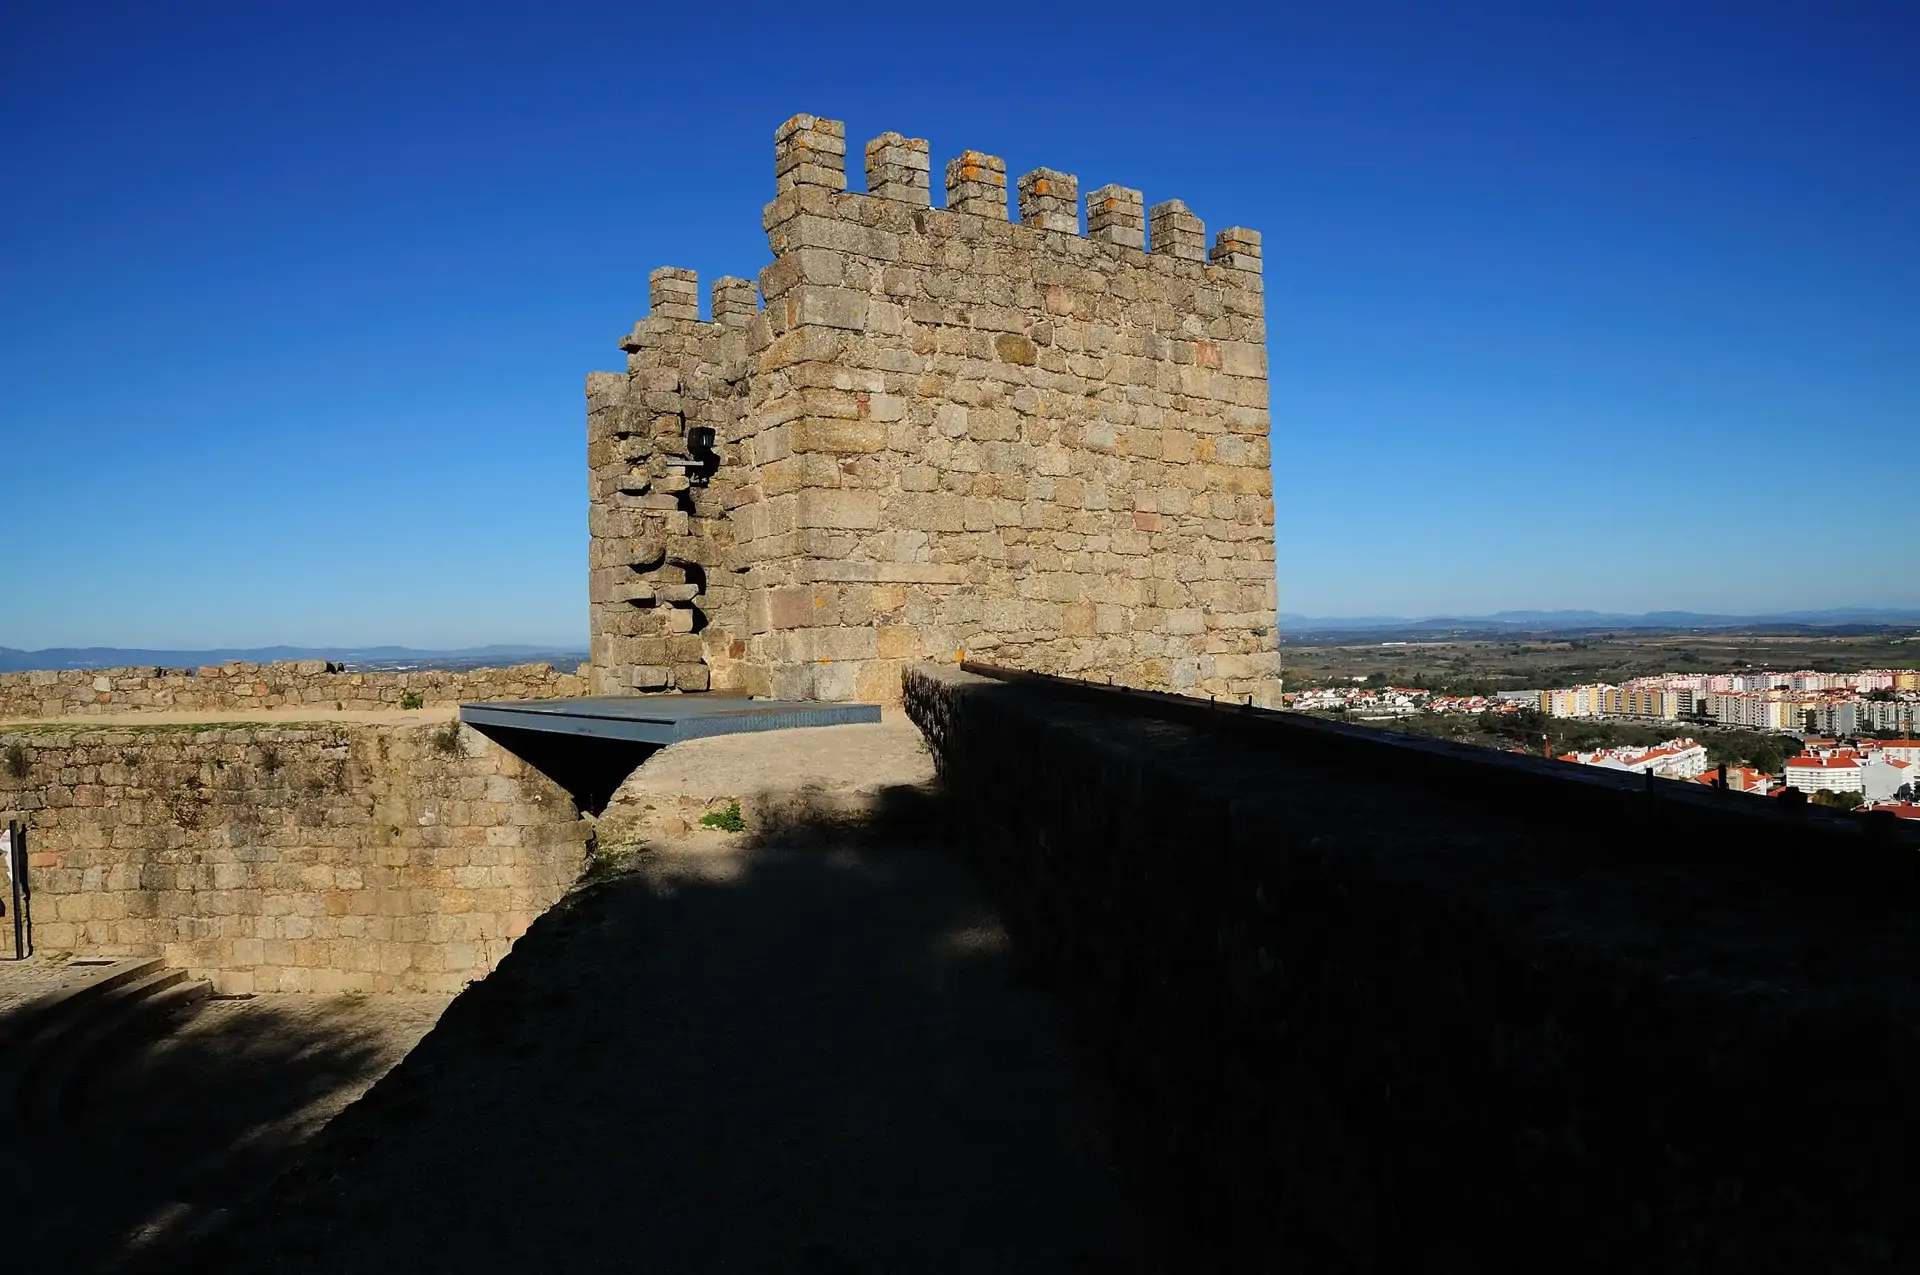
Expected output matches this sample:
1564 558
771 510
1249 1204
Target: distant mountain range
1555 621
386 657
363 657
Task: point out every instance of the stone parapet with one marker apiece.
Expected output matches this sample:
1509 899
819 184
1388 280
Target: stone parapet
333 858
248 687
1367 1005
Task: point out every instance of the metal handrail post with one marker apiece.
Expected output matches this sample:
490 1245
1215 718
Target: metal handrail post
17 874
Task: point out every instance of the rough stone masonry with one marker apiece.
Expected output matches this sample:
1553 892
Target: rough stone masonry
943 432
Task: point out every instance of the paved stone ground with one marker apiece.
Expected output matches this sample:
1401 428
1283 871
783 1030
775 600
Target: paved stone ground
728 1056
166 1135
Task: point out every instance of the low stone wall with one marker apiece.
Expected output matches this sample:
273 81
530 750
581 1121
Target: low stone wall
284 684
1362 1005
329 858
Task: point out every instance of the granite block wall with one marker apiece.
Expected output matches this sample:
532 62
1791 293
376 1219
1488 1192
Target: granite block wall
1496 1022
946 430
326 858
240 687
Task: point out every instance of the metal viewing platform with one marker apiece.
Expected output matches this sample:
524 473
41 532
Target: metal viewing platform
662 719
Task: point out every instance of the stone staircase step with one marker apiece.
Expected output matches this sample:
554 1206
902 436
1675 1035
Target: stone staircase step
53 1043
27 1034
71 989
39 1063
133 1020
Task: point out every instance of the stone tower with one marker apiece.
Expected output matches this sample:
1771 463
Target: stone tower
944 431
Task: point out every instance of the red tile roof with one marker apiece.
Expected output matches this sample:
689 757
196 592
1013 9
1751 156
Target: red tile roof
1822 763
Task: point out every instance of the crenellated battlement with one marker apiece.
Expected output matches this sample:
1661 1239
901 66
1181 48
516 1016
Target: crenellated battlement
938 429
810 154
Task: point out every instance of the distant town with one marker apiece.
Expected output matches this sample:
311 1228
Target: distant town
1855 737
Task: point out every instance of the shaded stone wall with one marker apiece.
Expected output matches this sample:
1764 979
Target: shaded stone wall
333 858
282 684
945 431
1506 1019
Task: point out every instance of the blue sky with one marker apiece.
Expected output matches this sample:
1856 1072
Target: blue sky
1605 306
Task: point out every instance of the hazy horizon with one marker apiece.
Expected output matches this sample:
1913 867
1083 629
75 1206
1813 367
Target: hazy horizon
1907 615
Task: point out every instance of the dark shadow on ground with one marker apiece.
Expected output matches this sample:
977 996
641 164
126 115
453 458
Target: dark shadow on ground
165 1134
810 1051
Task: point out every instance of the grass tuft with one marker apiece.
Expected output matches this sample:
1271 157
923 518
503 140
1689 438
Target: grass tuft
727 820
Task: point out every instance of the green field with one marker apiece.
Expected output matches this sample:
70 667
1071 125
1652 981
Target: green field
1480 667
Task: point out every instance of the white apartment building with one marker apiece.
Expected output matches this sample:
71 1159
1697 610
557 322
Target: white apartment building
1565 702
1759 710
1675 759
1882 778
1824 774
1903 715
1838 717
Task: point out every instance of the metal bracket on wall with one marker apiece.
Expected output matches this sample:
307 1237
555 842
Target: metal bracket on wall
13 863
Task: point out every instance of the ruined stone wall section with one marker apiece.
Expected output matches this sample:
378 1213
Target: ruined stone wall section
950 431
246 687
333 858
665 606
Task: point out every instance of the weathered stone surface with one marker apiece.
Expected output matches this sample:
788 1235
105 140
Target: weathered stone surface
1051 448
1117 214
809 151
977 185
1050 200
897 168
1176 231
300 858
291 684
673 293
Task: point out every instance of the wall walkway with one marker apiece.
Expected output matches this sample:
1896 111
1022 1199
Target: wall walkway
1363 1004
248 688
